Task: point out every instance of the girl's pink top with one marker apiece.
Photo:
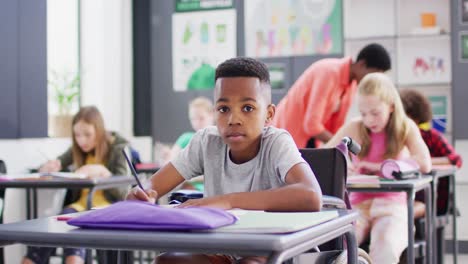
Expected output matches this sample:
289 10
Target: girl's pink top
377 149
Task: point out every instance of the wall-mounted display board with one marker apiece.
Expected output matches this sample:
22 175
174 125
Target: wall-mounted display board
292 28
428 65
463 54
200 41
463 7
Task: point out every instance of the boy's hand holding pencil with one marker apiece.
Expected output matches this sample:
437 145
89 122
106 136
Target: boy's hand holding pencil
139 192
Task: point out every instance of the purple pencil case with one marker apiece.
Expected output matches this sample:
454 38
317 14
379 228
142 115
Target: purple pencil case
137 215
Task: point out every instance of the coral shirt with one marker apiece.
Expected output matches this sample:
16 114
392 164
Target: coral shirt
318 100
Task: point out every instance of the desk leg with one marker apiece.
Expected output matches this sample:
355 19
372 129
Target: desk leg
89 201
429 227
124 257
410 250
454 225
35 208
352 246
89 256
28 203
435 236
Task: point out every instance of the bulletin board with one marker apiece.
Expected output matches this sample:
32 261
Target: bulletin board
200 41
275 28
424 66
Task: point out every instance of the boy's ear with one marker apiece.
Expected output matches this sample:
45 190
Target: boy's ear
271 110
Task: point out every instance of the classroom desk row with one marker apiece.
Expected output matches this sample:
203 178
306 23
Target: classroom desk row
428 183
278 247
51 232
32 185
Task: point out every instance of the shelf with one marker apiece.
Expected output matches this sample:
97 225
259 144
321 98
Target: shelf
373 38
408 85
418 36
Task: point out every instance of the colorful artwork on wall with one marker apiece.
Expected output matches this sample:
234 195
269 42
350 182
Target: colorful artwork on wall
424 66
200 41
276 28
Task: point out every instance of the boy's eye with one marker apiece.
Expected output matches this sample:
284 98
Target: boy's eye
247 108
223 109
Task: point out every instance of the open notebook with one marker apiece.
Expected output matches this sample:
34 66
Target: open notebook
273 222
29 176
363 180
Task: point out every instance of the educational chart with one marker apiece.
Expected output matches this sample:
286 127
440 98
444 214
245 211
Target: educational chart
286 28
424 66
200 41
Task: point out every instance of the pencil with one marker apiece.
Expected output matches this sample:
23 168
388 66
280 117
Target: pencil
134 173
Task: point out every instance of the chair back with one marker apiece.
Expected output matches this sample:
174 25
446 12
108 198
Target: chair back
3 169
330 168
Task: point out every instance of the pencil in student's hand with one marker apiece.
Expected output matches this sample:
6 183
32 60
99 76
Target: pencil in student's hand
134 173
43 154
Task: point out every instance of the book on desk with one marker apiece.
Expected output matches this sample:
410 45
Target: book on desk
39 175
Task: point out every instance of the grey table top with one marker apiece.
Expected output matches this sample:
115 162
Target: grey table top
51 232
56 182
389 185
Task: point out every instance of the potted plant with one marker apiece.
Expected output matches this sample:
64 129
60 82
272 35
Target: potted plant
64 88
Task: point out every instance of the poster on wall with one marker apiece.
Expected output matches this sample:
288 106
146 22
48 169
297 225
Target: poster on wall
200 41
439 112
464 46
199 5
463 11
424 66
275 28
278 73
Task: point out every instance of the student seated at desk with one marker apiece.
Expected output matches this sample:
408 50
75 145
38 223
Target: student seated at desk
201 116
95 153
246 163
384 132
418 108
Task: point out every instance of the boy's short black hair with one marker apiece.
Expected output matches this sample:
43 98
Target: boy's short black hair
417 106
243 67
375 56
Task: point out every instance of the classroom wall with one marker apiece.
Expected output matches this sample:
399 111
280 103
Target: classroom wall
169 108
459 77
106 61
23 71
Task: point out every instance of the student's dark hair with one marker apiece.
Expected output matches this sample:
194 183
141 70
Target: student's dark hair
375 56
243 67
417 106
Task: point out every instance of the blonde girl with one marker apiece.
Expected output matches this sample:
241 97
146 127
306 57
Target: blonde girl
384 132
